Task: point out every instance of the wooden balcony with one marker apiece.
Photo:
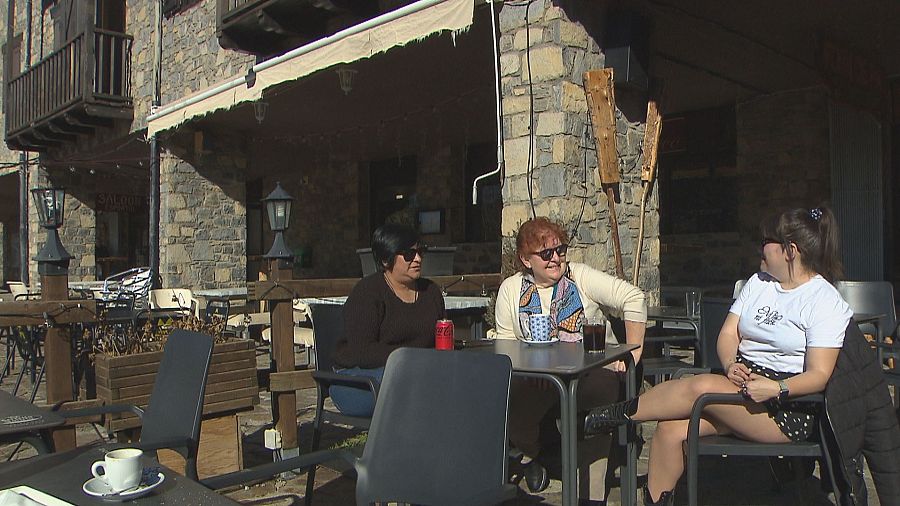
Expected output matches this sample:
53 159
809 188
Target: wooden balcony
269 27
84 85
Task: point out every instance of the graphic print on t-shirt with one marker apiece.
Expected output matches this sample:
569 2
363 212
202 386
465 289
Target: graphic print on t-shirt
767 316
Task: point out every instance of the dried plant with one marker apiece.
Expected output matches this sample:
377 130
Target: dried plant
116 338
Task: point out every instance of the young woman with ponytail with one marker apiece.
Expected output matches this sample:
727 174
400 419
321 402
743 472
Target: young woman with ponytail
780 340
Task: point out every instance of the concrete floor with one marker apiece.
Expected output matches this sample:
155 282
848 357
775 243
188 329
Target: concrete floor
724 481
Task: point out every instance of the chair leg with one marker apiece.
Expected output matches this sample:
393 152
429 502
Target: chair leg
692 477
314 445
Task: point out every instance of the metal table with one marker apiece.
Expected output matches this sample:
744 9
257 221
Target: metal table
563 364
21 420
62 475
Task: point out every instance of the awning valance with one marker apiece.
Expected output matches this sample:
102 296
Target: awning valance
396 28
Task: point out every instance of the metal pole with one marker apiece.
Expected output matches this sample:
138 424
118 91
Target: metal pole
23 218
154 211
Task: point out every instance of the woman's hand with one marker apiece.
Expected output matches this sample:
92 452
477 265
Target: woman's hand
738 373
760 389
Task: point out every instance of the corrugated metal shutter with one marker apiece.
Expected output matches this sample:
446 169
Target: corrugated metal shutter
856 190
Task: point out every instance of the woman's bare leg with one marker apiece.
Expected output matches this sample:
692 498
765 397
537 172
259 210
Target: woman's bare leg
673 399
749 421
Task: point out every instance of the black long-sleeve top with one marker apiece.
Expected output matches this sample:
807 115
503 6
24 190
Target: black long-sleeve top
376 322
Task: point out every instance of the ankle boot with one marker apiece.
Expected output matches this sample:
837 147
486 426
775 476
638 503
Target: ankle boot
607 418
667 498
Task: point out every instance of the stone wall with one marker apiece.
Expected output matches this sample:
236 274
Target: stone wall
565 180
192 59
203 218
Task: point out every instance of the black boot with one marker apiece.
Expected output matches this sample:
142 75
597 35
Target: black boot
537 479
607 418
667 498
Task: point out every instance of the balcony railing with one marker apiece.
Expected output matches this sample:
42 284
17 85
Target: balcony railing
92 68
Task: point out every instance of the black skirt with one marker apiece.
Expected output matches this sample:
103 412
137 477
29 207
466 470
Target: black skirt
795 419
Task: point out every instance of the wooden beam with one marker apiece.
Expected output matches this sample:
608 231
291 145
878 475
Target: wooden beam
600 93
32 312
291 381
338 287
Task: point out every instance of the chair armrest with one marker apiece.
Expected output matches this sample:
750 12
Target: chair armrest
690 370
268 470
99 410
70 406
326 379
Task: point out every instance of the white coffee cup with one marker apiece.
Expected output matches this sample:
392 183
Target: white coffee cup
121 469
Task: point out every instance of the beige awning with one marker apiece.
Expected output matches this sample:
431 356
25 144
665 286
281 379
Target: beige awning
8 171
396 28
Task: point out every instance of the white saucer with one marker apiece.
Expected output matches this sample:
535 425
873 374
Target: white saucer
539 343
151 479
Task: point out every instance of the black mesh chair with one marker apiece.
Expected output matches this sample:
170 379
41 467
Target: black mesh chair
172 417
874 297
328 327
438 435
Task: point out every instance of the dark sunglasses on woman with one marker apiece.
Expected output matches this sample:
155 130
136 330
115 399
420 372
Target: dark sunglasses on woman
410 254
547 254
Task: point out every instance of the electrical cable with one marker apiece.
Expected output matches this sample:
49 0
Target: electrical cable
529 171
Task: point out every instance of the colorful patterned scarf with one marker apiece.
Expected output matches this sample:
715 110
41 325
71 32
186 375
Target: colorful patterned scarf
566 309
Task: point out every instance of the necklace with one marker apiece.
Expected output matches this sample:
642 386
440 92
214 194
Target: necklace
390 284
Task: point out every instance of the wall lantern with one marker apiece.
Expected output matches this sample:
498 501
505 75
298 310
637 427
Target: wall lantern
278 207
53 259
259 110
345 76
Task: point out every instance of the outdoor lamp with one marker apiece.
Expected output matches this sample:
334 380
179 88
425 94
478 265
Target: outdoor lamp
53 259
278 207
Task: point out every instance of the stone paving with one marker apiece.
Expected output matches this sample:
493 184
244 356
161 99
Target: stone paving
728 481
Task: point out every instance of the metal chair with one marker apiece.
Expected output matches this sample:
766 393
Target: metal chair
695 446
172 417
873 297
438 434
328 327
135 283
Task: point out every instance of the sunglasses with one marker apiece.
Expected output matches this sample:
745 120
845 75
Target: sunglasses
547 254
769 240
410 254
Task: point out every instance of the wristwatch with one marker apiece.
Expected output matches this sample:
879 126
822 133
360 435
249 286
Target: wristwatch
783 390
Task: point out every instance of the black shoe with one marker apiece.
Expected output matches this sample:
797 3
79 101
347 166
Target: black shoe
667 498
606 418
536 477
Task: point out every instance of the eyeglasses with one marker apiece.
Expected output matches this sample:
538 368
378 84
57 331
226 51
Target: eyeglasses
410 254
547 254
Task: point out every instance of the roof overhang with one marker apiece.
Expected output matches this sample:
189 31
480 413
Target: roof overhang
396 28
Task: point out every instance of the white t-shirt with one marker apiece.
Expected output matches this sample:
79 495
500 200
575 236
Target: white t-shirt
777 325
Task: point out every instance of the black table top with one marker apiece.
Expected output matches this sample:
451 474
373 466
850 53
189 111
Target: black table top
560 359
62 475
19 416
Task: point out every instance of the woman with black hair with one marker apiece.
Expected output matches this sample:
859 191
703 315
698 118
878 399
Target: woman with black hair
387 310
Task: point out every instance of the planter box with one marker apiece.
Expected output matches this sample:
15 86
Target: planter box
129 379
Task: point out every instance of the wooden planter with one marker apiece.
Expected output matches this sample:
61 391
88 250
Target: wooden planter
231 386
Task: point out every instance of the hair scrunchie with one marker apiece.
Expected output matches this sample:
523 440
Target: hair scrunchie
815 213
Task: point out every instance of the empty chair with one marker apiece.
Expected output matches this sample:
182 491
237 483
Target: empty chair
738 286
176 300
872 297
172 417
438 434
134 283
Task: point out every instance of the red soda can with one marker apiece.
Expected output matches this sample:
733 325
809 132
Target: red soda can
443 335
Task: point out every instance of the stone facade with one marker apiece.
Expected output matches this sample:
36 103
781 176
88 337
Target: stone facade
564 177
203 218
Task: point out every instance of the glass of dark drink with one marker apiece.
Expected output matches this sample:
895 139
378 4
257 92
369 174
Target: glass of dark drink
595 335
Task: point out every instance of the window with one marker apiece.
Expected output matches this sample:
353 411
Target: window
392 192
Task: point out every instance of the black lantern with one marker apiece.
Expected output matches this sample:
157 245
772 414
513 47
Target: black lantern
53 259
278 206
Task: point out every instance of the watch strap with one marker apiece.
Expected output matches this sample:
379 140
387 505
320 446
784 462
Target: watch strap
783 390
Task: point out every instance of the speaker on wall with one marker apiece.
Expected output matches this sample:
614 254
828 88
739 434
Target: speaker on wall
626 48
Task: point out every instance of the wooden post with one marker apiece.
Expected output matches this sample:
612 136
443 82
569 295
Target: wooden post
58 357
598 88
652 131
283 353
